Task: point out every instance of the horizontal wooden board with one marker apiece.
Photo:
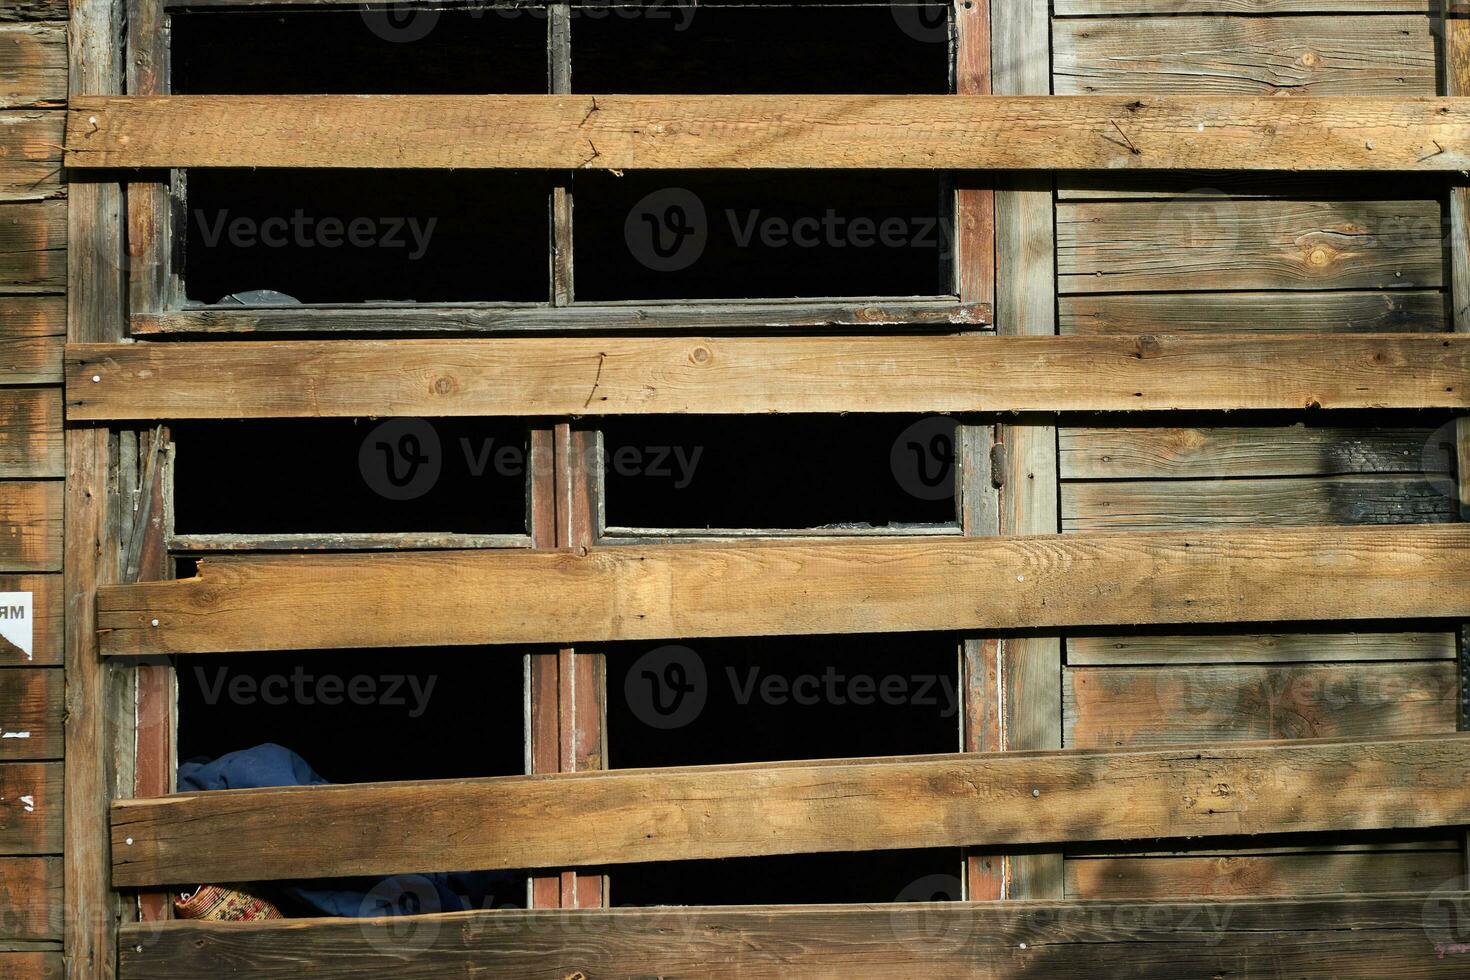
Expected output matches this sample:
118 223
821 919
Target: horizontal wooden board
30 898
1067 8
30 807
1104 707
32 965
1411 311
658 375
1184 451
30 155
1243 648
1243 875
31 710
1156 505
1354 938
32 65
32 336
31 443
46 623
617 132
1211 55
33 247
1150 246
30 525
283 602
697 318
629 816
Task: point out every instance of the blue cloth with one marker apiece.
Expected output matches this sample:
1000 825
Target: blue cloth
274 765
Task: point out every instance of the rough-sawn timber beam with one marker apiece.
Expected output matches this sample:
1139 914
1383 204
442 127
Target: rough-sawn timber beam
290 602
649 132
656 375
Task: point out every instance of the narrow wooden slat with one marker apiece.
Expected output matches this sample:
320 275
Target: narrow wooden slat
1069 8
30 807
1164 504
588 819
32 336
1254 312
31 443
31 965
1243 875
32 66
30 526
1236 648
1110 707
1151 246
33 247
31 708
1172 452
1351 938
979 584
30 898
579 376
613 132
46 624
1316 55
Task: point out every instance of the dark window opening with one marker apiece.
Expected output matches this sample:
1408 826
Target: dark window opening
343 476
783 472
713 702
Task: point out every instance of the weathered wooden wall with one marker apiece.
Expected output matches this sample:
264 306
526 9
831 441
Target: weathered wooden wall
1202 252
33 234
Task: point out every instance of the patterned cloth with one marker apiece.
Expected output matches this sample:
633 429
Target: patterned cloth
222 904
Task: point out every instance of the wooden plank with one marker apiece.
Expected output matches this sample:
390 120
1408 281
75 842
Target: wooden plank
30 898
533 318
30 155
31 702
1245 648
1353 938
46 625
31 443
30 526
1212 55
276 602
615 132
628 816
32 335
658 375
1117 706
30 807
1182 451
1143 246
28 10
1072 8
1254 312
33 247
32 965
1243 875
1277 502
33 66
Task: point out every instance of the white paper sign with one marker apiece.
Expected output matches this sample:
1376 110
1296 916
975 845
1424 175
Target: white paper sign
16 616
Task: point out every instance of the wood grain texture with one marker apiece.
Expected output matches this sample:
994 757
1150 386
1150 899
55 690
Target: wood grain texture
1247 648
1243 875
29 10
1142 246
1184 451
33 247
30 525
615 376
30 808
1212 55
31 709
1350 938
1254 312
270 602
615 132
1070 8
1109 707
626 816
32 337
31 443
1163 504
30 898
31 965
30 155
46 625
33 66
